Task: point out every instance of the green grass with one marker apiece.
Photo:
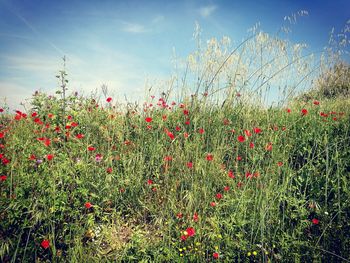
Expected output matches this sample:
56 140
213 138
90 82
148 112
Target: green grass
297 171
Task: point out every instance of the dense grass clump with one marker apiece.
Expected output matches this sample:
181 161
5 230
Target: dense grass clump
175 182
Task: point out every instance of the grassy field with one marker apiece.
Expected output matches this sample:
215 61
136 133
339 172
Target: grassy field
175 182
213 176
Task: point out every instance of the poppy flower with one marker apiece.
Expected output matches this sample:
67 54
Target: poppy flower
190 231
315 221
231 175
149 182
109 99
304 112
241 138
218 196
90 148
195 217
3 178
186 112
201 130
177 128
190 165
170 134
248 133
186 135
216 255
179 215
88 205
226 188
148 119
316 102
49 157
183 237
288 110
209 157
45 244
187 122
79 136
279 164
212 204
251 145
2 135
257 130
5 161
109 170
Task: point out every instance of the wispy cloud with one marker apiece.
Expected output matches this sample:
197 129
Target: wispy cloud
206 11
134 28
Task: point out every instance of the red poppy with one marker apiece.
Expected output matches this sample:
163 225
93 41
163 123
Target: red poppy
315 221
226 188
187 122
251 145
304 112
190 165
109 170
289 110
5 161
212 204
164 117
184 237
195 217
279 164
241 138
50 115
149 182
209 157
49 157
231 175
109 99
186 112
2 135
179 215
186 135
218 196
47 142
269 147
201 130
190 231
316 102
90 148
216 255
88 205
248 133
79 136
257 130
3 178
148 119
170 134
168 158
177 128
239 158
45 244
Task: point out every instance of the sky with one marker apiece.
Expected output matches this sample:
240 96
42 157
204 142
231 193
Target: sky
124 44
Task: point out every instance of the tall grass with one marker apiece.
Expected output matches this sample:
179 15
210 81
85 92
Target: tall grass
214 175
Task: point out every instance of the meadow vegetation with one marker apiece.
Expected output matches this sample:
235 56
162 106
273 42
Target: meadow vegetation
209 170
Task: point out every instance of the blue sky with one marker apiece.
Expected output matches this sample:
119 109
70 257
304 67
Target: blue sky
124 43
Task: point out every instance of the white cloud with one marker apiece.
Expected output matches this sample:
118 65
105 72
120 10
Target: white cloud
206 11
133 28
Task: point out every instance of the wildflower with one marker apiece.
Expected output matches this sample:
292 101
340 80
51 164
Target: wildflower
231 175
79 136
148 119
186 135
109 170
98 157
190 165
241 138
251 145
239 158
289 110
209 157
179 215
316 102
304 112
186 112
248 133
49 157
255 253
190 231
170 134
226 188
88 205
164 117
187 122
257 130
218 196
269 147
177 128
279 164
3 178
201 130
149 182
212 204
2 135
195 217
109 99
90 148
45 244
168 158
216 255
315 221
